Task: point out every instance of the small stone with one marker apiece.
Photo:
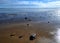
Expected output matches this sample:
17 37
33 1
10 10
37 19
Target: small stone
27 24
25 18
20 36
48 22
12 35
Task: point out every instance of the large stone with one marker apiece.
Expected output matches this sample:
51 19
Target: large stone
32 37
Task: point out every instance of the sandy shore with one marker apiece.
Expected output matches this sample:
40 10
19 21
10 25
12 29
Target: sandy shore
20 33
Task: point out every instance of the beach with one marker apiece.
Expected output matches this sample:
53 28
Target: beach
20 33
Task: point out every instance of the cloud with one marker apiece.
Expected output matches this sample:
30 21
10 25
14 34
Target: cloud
7 1
32 4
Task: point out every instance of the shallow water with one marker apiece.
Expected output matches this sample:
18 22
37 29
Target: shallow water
41 16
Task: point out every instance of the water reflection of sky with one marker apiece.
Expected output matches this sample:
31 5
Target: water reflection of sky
57 35
48 15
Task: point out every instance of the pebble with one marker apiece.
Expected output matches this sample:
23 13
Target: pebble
12 35
48 22
26 18
20 36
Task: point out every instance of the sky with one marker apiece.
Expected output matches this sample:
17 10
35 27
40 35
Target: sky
29 3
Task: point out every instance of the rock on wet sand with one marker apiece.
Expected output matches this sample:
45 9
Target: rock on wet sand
32 37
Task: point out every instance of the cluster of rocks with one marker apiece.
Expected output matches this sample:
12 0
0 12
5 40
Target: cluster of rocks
31 37
26 18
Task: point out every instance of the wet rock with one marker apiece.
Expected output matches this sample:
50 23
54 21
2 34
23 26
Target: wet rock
26 18
48 22
20 36
32 37
12 35
27 24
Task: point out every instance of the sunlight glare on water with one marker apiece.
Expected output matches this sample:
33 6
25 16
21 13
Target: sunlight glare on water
57 36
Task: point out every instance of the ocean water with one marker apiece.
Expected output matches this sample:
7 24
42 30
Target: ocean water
11 15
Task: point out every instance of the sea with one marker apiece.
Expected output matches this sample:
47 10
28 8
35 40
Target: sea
19 15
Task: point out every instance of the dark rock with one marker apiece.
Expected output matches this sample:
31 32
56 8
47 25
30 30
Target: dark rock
12 35
26 18
32 37
27 24
48 22
20 36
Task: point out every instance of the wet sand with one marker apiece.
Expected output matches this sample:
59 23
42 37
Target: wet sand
20 33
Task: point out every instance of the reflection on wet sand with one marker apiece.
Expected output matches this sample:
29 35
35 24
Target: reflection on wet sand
57 36
38 32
